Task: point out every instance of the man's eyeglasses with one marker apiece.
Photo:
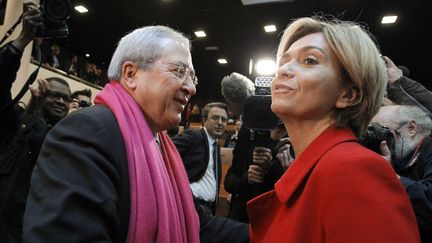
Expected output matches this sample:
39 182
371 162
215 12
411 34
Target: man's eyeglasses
217 118
180 70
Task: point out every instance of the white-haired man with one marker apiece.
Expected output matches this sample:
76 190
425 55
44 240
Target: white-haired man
108 173
412 158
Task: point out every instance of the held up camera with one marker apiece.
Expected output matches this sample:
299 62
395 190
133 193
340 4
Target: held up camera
54 13
374 134
258 115
83 103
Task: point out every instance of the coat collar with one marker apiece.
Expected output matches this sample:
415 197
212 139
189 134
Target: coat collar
298 172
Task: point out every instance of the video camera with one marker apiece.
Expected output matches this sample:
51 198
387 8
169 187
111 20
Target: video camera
55 13
258 115
374 135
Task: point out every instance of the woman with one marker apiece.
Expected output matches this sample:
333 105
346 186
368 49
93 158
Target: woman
329 84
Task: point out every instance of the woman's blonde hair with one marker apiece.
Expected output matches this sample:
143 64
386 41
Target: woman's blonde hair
362 68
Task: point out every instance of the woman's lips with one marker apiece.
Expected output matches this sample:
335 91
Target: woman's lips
280 88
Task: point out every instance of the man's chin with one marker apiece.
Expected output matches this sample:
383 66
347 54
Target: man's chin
175 121
219 135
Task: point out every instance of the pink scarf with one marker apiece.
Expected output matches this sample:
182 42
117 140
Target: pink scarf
162 208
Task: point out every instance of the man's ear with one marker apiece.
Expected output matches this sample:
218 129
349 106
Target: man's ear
128 74
412 128
348 97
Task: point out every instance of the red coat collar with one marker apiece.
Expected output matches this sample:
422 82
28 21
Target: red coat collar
298 172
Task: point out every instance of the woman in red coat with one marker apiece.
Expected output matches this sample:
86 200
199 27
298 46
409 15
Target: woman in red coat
329 84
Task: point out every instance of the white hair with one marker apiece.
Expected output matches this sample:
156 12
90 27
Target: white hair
409 112
141 45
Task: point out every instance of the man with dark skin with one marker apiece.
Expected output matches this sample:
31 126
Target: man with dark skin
23 131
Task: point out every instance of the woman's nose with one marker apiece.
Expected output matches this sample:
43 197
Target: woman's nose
285 70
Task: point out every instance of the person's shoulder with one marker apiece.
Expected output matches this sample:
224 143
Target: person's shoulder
351 155
192 132
96 116
100 112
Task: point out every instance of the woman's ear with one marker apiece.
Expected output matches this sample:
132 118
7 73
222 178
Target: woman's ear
128 75
349 96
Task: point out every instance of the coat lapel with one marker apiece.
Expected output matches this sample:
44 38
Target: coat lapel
289 186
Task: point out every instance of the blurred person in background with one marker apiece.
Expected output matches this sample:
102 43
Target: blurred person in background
52 59
71 66
200 153
80 99
254 169
231 139
23 131
402 90
411 158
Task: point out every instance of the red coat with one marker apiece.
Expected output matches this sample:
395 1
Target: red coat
335 191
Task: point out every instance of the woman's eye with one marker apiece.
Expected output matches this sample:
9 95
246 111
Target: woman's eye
310 60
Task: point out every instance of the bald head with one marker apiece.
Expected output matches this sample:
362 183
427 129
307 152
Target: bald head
394 116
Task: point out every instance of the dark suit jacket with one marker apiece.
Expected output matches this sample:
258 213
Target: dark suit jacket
80 186
194 150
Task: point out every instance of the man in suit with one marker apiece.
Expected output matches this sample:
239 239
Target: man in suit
201 155
110 173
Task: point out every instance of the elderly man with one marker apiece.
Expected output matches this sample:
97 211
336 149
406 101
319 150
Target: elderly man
109 173
412 159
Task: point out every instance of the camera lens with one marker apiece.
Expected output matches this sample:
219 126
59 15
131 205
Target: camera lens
57 10
83 103
373 136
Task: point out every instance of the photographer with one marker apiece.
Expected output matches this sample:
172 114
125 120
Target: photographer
254 169
23 131
412 158
405 91
80 99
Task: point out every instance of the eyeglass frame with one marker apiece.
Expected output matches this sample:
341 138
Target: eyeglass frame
180 68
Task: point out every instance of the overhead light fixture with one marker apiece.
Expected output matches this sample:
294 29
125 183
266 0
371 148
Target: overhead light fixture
87 55
265 67
200 34
222 61
81 9
211 48
389 19
270 28
251 2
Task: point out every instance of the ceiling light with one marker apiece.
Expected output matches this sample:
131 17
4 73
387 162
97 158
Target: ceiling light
222 61
265 67
211 48
81 9
388 19
270 28
200 34
251 2
87 55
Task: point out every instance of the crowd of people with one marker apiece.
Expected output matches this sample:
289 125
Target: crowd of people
73 171
53 56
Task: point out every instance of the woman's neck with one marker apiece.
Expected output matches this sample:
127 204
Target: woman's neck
304 132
